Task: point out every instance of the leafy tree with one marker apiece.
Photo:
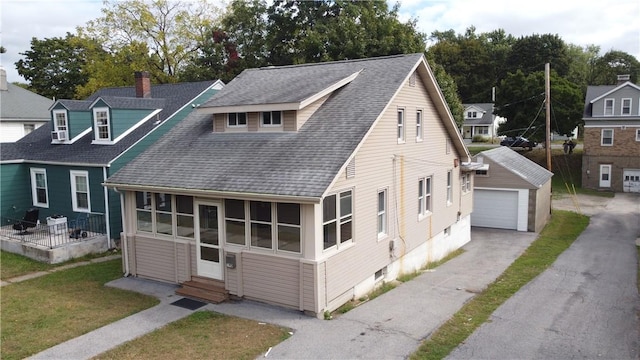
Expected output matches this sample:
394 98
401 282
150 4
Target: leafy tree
172 30
2 50
53 66
449 91
530 54
614 63
521 99
582 64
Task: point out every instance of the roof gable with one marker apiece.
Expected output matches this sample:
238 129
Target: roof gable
19 103
517 164
614 89
118 102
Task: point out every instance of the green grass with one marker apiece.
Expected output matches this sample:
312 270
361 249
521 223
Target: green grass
563 228
12 265
203 335
39 313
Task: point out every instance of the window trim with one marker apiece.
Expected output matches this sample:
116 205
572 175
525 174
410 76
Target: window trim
56 126
74 190
425 202
449 187
622 107
602 137
382 216
465 182
34 190
400 126
246 120
419 125
605 107
96 126
339 220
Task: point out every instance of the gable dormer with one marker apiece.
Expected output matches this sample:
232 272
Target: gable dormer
70 120
115 117
473 112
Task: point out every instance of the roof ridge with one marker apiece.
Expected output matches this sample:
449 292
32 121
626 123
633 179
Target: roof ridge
272 67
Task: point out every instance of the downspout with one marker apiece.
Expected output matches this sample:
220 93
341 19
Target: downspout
125 252
106 206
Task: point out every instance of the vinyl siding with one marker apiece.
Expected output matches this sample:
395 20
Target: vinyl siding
183 262
304 114
122 120
155 259
15 192
542 207
623 93
376 169
271 279
78 121
218 122
289 121
309 293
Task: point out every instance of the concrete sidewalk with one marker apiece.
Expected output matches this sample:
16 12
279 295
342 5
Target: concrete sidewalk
391 326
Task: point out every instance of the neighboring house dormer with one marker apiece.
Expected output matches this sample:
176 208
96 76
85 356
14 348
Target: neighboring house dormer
283 110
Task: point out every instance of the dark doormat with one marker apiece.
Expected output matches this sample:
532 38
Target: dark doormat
189 303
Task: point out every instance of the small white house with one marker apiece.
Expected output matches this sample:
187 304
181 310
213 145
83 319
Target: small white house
479 120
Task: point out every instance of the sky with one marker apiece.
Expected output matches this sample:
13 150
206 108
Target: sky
610 24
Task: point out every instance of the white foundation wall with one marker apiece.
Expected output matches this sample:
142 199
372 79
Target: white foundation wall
431 251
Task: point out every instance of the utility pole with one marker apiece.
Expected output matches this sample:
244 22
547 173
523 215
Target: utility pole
547 105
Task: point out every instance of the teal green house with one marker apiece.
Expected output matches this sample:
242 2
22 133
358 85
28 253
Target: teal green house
60 167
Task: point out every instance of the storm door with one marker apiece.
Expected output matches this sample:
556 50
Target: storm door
208 238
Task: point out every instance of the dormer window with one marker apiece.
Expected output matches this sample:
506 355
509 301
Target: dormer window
101 124
272 118
60 126
608 107
237 120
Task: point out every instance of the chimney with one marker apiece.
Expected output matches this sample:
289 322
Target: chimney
623 78
3 79
143 84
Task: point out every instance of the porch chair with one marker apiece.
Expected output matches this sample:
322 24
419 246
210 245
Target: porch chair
79 226
29 220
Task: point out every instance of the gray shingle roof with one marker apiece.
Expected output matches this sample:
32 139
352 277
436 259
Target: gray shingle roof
20 104
302 163
528 170
37 146
592 93
74 105
119 102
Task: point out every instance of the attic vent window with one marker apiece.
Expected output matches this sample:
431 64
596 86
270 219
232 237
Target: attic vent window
412 79
351 169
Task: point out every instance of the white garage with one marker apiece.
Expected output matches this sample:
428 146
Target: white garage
510 192
631 180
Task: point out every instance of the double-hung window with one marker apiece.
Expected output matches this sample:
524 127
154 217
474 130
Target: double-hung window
606 138
608 107
419 125
400 126
466 182
60 125
382 213
626 107
337 218
80 197
449 187
39 191
272 118
424 196
237 119
101 121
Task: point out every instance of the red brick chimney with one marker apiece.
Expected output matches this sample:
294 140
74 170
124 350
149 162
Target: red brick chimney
143 84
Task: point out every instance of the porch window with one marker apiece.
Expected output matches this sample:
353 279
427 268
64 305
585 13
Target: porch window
606 138
80 198
288 227
261 224
235 221
143 211
39 191
337 219
102 126
164 208
608 107
237 119
184 216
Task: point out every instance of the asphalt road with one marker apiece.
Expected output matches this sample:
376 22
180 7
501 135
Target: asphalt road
585 306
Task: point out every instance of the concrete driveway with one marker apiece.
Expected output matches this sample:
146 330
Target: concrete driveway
585 306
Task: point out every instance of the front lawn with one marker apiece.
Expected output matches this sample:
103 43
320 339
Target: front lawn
40 313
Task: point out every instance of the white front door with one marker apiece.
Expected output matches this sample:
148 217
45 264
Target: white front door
605 176
208 239
631 181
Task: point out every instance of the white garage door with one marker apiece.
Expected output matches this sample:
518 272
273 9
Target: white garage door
495 209
631 181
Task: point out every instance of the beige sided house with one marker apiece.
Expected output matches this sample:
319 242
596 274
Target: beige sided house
303 186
